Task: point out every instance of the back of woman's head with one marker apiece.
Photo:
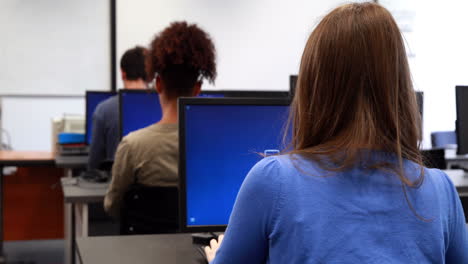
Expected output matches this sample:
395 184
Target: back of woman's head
354 91
182 55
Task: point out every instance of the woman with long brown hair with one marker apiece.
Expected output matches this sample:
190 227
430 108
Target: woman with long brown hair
352 189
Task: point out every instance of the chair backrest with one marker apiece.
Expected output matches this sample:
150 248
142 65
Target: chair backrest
442 139
106 165
150 210
434 158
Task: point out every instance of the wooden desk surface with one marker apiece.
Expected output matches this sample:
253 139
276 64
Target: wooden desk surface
26 155
26 158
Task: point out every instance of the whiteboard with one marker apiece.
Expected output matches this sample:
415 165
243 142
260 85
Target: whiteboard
259 42
54 47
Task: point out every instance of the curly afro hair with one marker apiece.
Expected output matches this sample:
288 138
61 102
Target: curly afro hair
181 54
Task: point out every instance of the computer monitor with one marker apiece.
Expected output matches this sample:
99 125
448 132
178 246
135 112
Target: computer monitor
141 108
256 94
93 98
420 101
220 140
462 119
245 94
292 84
212 94
138 109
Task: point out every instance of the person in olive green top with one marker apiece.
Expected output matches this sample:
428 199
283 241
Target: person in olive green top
179 58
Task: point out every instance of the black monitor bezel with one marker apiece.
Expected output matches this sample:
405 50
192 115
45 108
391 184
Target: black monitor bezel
87 94
458 104
214 92
183 102
420 101
256 94
292 84
250 93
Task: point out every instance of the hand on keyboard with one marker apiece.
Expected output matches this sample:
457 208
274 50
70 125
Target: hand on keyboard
211 250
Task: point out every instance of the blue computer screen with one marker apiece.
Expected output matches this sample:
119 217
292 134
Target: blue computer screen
139 110
92 101
212 95
222 143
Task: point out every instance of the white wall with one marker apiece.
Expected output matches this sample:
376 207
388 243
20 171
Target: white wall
259 42
50 47
54 46
439 42
28 119
441 48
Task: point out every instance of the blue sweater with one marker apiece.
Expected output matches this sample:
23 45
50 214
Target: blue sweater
105 135
286 215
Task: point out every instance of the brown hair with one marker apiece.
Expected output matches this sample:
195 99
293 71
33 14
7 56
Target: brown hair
354 92
182 54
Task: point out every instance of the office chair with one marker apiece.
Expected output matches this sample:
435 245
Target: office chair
150 210
106 165
441 139
434 158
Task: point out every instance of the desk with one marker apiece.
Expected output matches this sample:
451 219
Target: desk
174 248
19 159
71 162
452 158
76 200
460 180
142 249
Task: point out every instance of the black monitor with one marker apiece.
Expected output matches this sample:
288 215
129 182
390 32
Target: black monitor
292 84
256 94
462 119
138 109
420 101
245 94
93 98
141 108
212 94
220 140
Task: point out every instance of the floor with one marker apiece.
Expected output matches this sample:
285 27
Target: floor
52 251
35 252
